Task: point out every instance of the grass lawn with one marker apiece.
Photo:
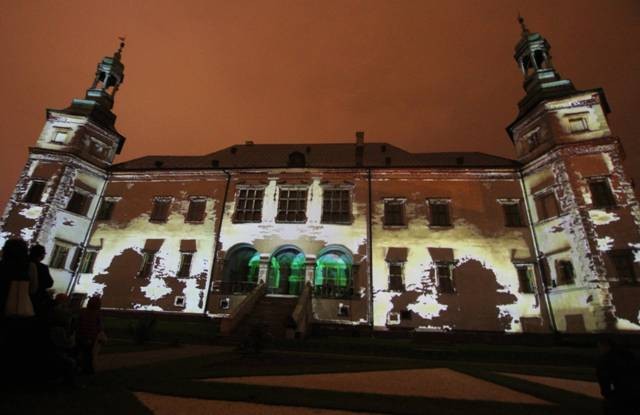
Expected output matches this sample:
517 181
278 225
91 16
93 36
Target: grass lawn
111 392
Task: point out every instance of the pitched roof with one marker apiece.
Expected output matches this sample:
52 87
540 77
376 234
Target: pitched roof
333 155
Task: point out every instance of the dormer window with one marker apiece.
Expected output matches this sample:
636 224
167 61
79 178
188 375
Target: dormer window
60 137
578 124
296 159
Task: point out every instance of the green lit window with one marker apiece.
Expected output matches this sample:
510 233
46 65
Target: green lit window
333 275
241 269
286 272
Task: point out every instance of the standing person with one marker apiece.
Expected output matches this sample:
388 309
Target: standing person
90 334
41 300
617 372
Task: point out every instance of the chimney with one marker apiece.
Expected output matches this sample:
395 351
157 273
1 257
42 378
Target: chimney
359 148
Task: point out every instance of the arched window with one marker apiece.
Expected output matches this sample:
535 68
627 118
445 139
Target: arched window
286 271
333 274
241 267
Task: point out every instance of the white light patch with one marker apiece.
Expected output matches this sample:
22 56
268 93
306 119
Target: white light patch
636 252
34 212
427 306
156 289
605 244
601 217
624 324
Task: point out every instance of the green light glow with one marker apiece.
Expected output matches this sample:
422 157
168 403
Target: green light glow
333 268
286 272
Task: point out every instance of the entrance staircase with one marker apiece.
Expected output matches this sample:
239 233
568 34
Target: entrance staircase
272 313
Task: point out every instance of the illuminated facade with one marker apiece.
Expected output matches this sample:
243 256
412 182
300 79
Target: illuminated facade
362 234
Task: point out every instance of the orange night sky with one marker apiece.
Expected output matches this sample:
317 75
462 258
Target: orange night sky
202 75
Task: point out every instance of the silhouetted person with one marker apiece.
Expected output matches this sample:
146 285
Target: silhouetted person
617 373
41 300
90 334
61 332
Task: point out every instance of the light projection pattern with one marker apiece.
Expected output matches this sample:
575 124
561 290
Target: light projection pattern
286 272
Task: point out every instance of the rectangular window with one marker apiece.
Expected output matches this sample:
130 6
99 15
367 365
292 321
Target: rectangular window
394 213
547 206
512 214
147 264
292 205
396 280
59 137
106 210
87 262
336 206
59 256
565 272
578 125
249 205
34 194
623 263
439 213
79 203
196 210
445 279
160 211
185 264
601 195
525 279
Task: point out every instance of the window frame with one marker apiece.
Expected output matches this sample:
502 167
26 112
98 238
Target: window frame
88 261
244 211
182 272
58 260
529 277
154 215
565 272
451 288
508 216
541 207
29 195
107 214
626 255
573 119
436 223
402 203
391 277
190 216
83 208
147 266
282 215
604 193
344 217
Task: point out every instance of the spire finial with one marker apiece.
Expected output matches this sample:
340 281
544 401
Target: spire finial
525 30
118 53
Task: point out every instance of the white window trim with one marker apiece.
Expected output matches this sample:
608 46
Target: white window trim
181 298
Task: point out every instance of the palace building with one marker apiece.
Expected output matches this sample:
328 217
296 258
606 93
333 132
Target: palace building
363 234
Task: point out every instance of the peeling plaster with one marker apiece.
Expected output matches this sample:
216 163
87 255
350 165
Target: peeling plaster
602 217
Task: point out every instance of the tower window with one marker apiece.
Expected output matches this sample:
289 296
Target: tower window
547 205
89 259
336 206
34 194
525 278
292 205
147 264
439 213
196 210
394 212
79 203
565 272
623 264
160 211
396 280
578 125
59 137
601 194
185 264
105 211
540 59
512 214
296 159
445 278
249 205
59 256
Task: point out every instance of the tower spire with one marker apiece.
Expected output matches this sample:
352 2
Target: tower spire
525 30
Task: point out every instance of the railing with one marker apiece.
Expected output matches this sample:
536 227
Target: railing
288 287
229 324
303 313
236 287
332 291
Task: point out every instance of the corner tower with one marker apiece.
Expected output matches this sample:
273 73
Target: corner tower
59 189
583 211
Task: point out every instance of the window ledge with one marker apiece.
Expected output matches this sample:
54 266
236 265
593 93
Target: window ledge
158 220
194 222
337 223
394 226
235 221
291 222
440 226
